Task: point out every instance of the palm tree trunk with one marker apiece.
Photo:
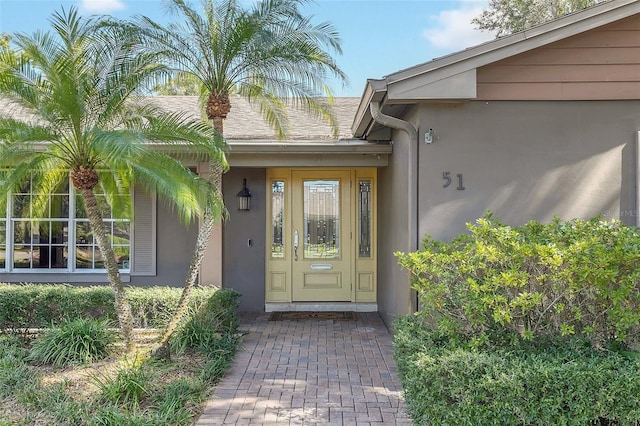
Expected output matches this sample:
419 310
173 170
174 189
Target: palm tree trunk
122 307
204 235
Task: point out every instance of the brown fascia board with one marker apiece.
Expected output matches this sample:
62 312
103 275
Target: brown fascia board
288 147
489 52
307 147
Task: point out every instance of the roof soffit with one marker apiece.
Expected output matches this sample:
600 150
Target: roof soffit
456 86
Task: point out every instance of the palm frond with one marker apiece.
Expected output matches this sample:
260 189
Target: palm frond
266 52
81 83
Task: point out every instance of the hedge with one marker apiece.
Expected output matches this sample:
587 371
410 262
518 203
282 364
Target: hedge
574 278
524 325
37 305
562 384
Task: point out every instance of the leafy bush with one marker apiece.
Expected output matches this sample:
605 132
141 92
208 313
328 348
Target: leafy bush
54 400
14 371
112 415
211 327
127 388
79 341
143 391
34 305
527 384
173 404
500 283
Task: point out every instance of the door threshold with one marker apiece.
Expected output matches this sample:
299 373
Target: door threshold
321 307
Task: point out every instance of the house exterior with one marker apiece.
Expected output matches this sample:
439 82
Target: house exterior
538 124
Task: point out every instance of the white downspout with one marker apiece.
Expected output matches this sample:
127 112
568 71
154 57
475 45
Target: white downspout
412 132
393 122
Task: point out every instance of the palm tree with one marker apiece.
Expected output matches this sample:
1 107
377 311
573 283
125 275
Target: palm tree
80 83
270 54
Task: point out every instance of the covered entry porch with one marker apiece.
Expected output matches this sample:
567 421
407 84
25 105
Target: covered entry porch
325 193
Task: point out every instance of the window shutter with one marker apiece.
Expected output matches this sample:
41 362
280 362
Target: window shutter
144 234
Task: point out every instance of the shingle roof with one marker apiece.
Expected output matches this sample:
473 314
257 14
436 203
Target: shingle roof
244 121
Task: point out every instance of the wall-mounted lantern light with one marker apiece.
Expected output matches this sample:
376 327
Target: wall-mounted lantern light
244 197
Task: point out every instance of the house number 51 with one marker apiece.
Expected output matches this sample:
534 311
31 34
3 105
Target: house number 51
447 180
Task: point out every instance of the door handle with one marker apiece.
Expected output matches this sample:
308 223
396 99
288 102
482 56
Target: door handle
295 245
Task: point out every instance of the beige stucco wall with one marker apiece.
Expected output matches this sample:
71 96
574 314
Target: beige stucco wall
527 160
394 226
244 238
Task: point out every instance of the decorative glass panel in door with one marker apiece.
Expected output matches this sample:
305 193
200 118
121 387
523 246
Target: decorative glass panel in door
321 228
321 219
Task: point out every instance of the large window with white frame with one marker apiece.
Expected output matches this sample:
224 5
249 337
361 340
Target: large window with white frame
51 231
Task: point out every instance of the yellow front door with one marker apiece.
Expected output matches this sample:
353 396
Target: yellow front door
321 236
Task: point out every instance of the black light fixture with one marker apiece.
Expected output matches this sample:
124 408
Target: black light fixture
244 197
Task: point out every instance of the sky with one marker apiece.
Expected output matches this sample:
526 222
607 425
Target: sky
379 37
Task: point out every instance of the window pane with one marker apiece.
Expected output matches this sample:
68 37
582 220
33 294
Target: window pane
42 231
21 206
121 233
84 245
40 257
59 232
84 257
122 256
21 257
364 219
277 219
22 232
22 244
321 219
60 206
80 210
83 233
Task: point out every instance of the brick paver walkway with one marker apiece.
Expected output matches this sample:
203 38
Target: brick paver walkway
310 372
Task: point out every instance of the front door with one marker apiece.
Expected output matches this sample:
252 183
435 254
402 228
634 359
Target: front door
321 228
321 235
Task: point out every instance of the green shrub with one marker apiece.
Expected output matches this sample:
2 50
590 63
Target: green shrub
112 415
218 362
527 384
211 327
560 279
79 341
128 388
14 371
154 306
173 404
34 305
54 401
